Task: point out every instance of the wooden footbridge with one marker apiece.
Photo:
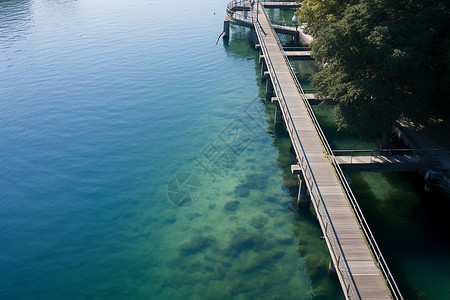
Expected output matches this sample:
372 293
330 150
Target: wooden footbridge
356 258
240 13
391 160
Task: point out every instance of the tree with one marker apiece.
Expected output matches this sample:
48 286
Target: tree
381 60
320 13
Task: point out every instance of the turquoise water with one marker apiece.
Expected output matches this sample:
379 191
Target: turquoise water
282 16
139 160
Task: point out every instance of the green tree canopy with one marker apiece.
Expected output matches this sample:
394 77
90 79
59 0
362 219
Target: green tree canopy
383 59
320 13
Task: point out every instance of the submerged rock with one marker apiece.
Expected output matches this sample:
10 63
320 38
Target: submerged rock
171 219
258 222
242 241
269 244
261 262
285 240
196 244
315 266
291 182
272 199
231 206
257 263
278 254
255 181
192 216
241 191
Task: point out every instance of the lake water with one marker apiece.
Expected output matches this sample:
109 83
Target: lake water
139 160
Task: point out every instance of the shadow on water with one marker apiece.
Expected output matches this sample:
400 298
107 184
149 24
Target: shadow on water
240 45
305 226
417 242
340 140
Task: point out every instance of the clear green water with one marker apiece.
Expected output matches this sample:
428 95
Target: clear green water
411 229
282 16
340 140
409 224
112 112
304 69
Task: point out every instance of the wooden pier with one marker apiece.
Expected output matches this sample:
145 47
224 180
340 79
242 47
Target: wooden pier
358 262
390 160
299 54
238 13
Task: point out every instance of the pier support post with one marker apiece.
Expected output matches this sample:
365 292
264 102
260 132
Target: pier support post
269 87
304 199
332 268
263 68
226 29
296 38
278 114
254 38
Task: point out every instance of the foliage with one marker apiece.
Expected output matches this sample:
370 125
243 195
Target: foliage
320 13
383 59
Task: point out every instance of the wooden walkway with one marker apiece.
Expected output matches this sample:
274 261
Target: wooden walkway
393 163
358 273
274 4
390 160
236 13
298 54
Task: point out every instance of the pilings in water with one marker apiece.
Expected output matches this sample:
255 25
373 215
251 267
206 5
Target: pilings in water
304 198
262 61
269 87
331 268
278 112
296 38
226 29
265 74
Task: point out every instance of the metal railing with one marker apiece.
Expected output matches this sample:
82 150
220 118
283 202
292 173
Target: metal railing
340 260
236 11
330 235
232 14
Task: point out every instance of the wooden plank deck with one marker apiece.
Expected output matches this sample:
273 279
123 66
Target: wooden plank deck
393 163
378 159
350 240
300 54
281 4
